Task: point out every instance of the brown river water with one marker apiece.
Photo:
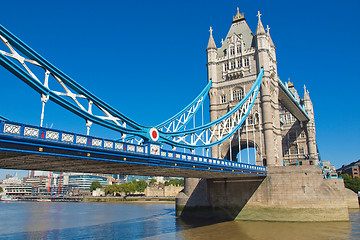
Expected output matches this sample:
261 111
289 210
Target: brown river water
51 220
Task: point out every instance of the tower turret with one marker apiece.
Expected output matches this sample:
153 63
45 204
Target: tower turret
269 97
212 74
211 57
310 128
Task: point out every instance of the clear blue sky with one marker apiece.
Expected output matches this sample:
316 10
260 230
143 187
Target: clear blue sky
148 59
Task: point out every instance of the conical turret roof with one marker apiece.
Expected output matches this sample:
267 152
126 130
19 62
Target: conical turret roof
260 30
211 43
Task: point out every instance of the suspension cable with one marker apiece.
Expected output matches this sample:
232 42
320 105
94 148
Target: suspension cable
239 139
247 141
253 118
260 129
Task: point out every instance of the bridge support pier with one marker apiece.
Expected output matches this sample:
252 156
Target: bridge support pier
292 193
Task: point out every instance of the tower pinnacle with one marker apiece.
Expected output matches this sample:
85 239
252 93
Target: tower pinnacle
211 43
260 28
259 15
238 17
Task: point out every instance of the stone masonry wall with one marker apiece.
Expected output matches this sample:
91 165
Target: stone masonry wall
291 193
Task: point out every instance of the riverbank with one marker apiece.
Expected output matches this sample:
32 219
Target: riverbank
130 199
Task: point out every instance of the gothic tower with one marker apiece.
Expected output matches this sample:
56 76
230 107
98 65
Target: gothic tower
233 68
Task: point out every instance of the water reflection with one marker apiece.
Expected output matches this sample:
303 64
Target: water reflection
150 221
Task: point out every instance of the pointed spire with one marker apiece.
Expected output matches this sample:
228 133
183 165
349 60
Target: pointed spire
260 28
211 43
268 33
306 94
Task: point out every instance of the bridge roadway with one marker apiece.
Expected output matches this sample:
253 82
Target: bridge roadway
35 148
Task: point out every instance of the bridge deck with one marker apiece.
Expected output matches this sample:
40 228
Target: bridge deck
44 152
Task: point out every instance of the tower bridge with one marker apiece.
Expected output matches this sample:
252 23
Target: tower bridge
251 109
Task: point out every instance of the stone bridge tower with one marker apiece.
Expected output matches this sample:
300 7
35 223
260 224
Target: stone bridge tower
277 135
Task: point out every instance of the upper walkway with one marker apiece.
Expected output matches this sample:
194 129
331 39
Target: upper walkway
37 148
288 99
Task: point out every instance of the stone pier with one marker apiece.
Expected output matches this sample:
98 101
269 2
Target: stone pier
292 193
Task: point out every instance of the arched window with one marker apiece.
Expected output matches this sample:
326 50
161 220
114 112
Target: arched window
239 65
256 115
238 94
223 98
250 119
238 48
246 62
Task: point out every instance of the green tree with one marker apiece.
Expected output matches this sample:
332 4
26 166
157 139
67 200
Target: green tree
111 189
351 183
175 182
95 185
152 181
140 185
128 187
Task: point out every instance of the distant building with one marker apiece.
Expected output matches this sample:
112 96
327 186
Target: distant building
83 181
352 169
18 189
11 180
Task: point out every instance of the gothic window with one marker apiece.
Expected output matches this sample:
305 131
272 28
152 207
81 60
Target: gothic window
232 65
238 94
232 51
301 150
239 49
239 63
226 66
225 52
257 118
250 119
246 62
223 98
302 135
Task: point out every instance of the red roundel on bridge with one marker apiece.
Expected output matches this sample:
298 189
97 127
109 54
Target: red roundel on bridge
154 134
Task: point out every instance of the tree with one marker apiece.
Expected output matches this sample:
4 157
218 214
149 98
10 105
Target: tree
152 181
95 185
140 185
111 189
175 182
128 187
351 183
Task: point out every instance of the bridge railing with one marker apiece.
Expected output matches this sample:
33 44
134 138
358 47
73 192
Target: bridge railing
151 149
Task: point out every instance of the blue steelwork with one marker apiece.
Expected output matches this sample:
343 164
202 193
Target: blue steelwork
17 133
196 103
138 130
253 91
200 98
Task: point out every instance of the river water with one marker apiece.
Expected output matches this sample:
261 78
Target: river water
51 220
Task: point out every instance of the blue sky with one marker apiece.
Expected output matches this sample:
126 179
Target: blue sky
148 59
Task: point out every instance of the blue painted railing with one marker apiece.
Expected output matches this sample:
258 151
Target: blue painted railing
14 129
